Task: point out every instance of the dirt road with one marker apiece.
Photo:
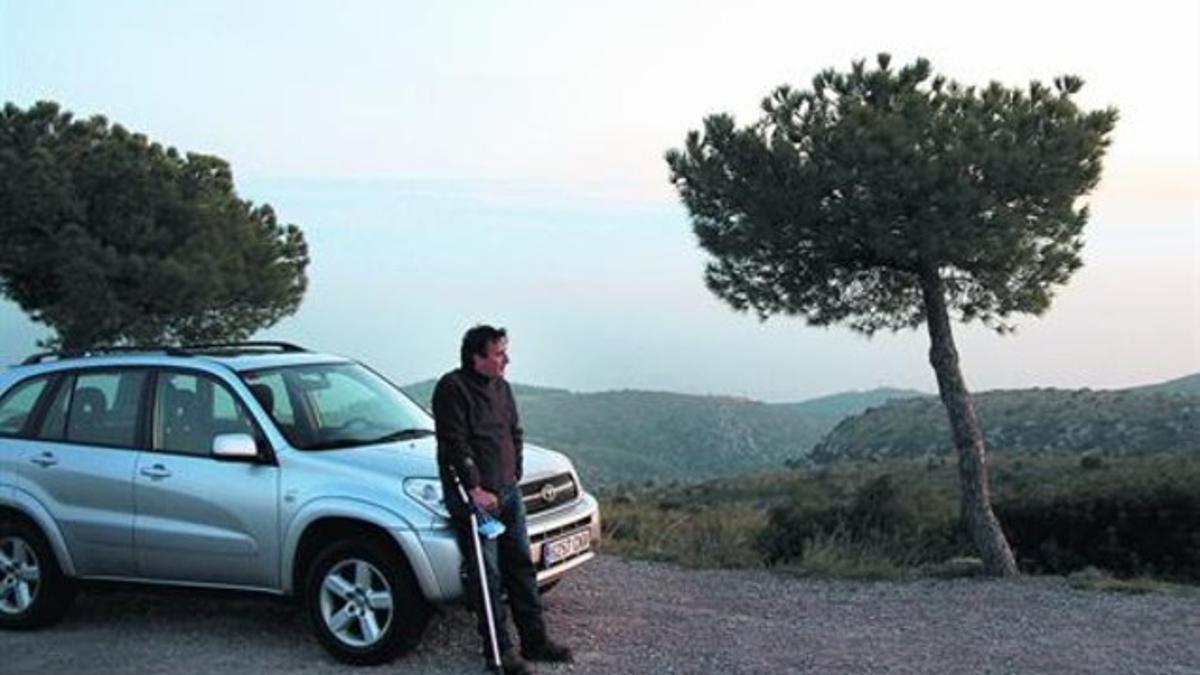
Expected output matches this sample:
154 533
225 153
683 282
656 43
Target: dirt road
637 617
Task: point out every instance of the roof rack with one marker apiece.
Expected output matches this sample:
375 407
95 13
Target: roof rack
95 351
182 350
244 346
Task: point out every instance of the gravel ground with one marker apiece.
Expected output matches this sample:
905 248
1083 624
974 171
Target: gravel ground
638 617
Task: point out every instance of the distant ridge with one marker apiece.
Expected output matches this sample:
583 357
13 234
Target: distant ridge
1188 384
637 436
852 402
422 392
1141 420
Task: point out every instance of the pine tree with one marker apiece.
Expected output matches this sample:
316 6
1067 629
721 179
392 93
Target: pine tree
109 238
888 199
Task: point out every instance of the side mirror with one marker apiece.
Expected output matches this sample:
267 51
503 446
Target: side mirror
234 446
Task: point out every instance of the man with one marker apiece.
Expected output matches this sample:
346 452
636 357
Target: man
479 440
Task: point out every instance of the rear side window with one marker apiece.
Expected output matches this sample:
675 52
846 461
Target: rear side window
17 405
104 408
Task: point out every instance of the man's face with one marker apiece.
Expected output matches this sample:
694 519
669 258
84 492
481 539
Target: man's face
496 359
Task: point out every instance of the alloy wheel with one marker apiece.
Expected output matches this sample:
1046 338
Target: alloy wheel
20 575
356 603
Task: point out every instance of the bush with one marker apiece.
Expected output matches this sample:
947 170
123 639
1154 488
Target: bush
902 521
1138 516
696 536
837 554
1127 530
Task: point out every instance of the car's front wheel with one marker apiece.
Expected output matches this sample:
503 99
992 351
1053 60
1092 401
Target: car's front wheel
363 602
33 590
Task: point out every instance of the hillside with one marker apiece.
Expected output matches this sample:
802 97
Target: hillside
639 436
422 392
1118 422
623 436
850 402
1189 384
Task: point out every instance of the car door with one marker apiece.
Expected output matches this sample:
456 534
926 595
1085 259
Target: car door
201 519
79 466
18 406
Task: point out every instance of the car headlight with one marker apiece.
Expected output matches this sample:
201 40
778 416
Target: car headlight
428 493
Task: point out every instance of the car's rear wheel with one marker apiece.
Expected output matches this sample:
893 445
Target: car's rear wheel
33 590
365 606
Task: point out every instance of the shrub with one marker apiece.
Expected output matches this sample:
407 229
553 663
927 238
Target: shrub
837 554
1128 530
1138 516
696 536
904 521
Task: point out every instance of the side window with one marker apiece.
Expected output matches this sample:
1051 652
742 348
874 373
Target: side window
191 409
104 407
54 425
229 415
17 405
271 392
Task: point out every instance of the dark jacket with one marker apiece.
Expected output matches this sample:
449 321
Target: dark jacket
478 432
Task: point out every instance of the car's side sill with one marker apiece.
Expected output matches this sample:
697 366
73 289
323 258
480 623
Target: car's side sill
182 584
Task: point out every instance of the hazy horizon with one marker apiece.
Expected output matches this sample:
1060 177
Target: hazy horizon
503 163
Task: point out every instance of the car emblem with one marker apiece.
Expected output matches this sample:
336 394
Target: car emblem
548 493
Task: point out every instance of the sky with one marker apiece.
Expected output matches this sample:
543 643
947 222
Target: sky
463 162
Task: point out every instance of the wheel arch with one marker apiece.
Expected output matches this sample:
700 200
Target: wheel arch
322 523
23 507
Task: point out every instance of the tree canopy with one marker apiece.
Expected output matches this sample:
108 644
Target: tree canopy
831 204
884 198
110 238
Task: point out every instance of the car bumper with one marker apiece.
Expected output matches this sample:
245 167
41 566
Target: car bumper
441 580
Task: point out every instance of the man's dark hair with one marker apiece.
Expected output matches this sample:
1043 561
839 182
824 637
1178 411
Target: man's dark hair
475 342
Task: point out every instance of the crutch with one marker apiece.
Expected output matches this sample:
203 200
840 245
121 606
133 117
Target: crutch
493 532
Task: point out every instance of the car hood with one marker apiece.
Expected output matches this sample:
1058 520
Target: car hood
418 458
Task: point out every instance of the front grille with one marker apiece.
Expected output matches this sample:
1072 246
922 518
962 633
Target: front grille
547 493
555 533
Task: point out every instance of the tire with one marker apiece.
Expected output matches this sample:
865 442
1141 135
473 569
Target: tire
363 602
33 590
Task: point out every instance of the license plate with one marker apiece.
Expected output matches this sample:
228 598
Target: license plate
564 547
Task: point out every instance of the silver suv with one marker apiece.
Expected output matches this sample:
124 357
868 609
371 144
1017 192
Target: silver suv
254 466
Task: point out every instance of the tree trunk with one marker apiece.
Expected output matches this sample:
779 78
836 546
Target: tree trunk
976 504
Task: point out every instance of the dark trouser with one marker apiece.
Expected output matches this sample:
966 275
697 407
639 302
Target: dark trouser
509 566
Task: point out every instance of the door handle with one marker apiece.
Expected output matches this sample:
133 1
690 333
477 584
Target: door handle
45 460
156 471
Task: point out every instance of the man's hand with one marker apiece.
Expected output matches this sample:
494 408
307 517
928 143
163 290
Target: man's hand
485 500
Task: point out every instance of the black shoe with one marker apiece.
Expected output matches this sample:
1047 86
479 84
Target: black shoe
510 664
549 652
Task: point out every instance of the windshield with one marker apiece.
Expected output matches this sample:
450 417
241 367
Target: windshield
338 405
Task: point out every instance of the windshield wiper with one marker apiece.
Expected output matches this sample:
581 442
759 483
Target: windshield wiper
403 435
339 443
